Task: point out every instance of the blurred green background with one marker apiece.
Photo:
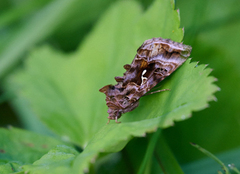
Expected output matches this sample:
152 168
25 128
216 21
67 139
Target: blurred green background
211 27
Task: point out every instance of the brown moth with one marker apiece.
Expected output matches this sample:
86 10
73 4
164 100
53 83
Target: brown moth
156 59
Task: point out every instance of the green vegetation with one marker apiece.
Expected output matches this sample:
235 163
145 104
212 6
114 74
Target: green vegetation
54 57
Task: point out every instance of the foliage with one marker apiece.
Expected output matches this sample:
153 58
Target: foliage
57 94
212 31
20 147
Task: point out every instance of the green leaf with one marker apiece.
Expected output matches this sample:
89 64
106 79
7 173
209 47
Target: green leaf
157 112
160 20
63 89
10 167
57 160
23 146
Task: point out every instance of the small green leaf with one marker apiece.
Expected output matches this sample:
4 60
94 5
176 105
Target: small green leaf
57 160
23 146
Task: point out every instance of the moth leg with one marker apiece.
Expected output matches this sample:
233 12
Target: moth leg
108 120
116 120
156 91
156 87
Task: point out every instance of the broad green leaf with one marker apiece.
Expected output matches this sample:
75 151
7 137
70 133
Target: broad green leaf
70 83
161 111
23 146
160 20
63 89
57 160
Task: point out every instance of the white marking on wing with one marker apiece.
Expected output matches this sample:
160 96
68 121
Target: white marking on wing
143 78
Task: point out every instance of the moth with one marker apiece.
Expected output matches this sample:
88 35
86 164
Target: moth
156 59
